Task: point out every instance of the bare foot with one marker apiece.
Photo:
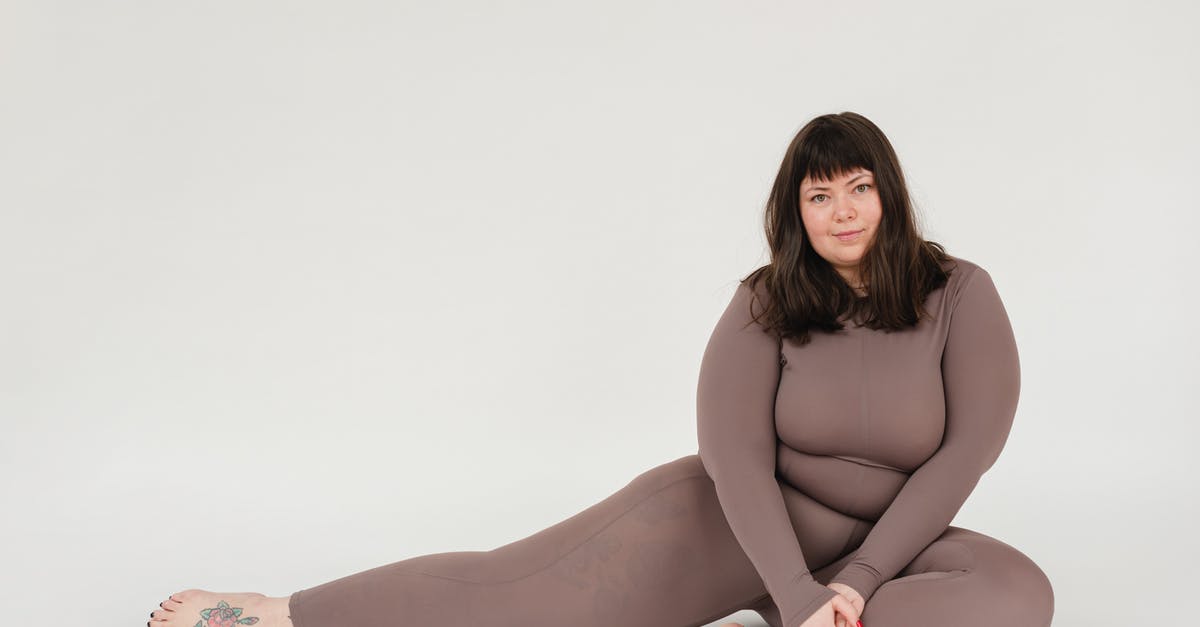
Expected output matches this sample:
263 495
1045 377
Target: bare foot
201 608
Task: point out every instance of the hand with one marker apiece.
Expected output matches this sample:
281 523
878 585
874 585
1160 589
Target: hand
855 599
837 612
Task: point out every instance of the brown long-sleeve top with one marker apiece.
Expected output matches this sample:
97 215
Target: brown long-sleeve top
899 425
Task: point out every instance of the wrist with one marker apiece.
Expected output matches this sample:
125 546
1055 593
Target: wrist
808 598
860 578
846 591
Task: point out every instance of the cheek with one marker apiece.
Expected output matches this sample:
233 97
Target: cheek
874 214
812 223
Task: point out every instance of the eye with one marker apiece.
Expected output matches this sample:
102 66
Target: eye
863 185
814 198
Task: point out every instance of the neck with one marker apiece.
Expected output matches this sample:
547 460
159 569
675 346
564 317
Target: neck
851 278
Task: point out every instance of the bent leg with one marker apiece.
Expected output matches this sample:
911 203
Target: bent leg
657 552
962 579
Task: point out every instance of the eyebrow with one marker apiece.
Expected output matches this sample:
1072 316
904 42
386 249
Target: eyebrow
848 184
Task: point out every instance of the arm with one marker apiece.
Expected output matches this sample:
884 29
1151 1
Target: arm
735 409
981 379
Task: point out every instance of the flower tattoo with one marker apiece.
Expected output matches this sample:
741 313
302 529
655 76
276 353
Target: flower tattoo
224 616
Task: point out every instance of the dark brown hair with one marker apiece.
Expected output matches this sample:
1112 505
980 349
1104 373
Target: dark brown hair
898 270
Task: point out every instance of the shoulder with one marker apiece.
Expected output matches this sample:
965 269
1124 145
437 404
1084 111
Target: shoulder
753 289
960 269
963 273
751 300
969 283
971 288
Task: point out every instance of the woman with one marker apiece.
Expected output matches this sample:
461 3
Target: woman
850 397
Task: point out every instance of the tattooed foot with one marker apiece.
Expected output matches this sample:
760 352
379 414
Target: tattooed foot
200 608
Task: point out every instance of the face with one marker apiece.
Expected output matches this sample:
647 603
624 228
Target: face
849 204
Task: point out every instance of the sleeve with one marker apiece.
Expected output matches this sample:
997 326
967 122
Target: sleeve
981 381
735 409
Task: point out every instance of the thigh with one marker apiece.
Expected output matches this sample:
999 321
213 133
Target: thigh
962 579
658 552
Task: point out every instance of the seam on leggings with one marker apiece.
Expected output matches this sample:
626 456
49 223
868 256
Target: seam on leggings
950 574
953 573
971 554
568 551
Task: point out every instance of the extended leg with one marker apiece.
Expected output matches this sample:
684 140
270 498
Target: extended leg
657 553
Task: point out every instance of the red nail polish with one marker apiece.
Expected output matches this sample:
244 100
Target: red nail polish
859 623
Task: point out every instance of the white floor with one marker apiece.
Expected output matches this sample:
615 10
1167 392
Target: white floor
748 618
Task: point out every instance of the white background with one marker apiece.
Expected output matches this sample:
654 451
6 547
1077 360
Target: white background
296 289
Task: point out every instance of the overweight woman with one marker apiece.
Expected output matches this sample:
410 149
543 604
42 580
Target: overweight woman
850 397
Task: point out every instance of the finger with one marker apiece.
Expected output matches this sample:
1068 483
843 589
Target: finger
848 610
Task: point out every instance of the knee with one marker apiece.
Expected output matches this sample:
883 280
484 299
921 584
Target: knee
1016 583
1036 594
1027 591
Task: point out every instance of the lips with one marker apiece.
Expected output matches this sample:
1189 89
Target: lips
847 233
848 236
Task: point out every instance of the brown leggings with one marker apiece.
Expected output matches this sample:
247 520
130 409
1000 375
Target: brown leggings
659 553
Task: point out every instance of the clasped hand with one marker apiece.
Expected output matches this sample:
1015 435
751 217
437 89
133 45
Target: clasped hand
842 610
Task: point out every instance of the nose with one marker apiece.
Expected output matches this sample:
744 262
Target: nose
844 210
